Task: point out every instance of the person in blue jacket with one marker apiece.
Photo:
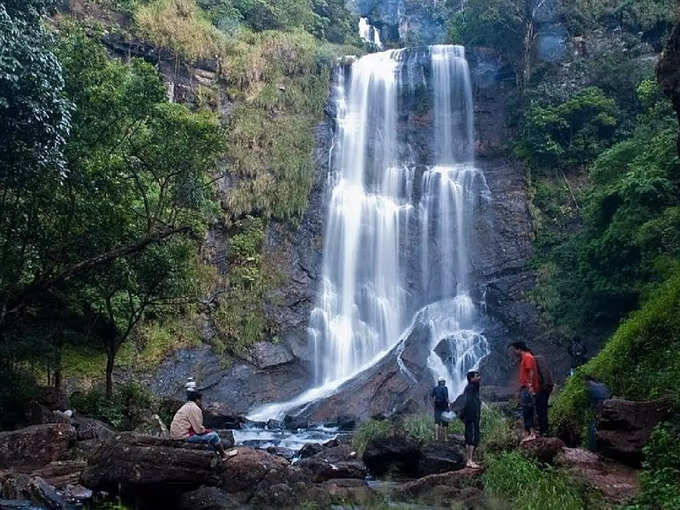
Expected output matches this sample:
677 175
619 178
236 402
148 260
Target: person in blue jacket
440 400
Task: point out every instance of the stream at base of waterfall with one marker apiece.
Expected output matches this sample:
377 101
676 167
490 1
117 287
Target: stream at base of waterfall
399 241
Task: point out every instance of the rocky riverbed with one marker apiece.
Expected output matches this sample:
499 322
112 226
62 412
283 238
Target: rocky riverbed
79 460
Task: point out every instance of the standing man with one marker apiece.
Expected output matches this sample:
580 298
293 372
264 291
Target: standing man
440 398
543 395
471 413
528 386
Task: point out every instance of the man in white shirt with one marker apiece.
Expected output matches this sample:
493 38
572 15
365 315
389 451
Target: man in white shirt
187 425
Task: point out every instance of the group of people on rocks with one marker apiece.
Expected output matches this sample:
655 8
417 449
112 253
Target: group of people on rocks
535 386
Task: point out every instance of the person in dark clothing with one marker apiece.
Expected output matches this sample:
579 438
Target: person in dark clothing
542 396
577 351
440 398
471 413
597 393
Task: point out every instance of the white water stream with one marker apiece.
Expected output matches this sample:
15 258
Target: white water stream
390 224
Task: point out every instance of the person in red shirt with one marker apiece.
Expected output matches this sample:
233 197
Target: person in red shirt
529 385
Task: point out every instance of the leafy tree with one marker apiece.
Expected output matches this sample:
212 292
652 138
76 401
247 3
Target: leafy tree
140 168
631 216
571 134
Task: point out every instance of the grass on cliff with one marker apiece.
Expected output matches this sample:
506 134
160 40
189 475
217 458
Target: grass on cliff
640 361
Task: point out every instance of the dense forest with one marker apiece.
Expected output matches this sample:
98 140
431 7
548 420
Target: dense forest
109 190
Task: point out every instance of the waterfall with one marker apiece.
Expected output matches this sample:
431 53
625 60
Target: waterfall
399 235
369 33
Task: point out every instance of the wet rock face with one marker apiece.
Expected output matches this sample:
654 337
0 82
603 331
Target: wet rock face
624 427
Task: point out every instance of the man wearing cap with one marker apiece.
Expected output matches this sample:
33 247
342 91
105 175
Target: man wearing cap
187 425
440 398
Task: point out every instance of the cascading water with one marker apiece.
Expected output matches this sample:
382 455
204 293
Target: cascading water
383 203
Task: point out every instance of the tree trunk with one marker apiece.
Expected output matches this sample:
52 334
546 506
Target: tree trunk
110 357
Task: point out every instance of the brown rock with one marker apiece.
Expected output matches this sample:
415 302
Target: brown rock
61 473
543 449
617 482
624 427
462 486
36 445
206 498
134 464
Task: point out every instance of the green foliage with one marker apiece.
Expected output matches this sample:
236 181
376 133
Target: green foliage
34 114
499 24
18 387
513 477
240 319
497 432
638 362
592 277
568 135
654 18
129 406
661 470
368 430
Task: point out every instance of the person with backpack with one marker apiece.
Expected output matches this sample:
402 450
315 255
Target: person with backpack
470 412
528 386
440 398
542 396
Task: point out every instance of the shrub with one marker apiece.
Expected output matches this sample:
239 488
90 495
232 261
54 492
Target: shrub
368 430
129 406
659 480
639 361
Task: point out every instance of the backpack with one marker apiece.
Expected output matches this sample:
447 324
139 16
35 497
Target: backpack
441 395
544 376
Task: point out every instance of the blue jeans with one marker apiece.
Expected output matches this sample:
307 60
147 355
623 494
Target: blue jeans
211 438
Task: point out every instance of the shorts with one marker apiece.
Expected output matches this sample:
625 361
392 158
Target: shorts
472 433
438 417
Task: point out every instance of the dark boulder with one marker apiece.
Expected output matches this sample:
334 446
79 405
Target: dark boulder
36 445
18 486
460 487
309 450
91 428
61 474
336 462
218 416
398 453
295 422
543 449
440 459
206 498
624 427
140 466
618 483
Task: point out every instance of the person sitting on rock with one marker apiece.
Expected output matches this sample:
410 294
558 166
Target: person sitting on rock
440 397
471 414
187 425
